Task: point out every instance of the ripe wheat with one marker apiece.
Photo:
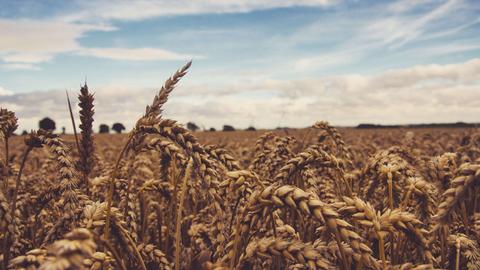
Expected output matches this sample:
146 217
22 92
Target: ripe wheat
163 197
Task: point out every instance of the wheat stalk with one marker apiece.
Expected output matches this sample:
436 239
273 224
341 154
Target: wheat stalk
152 112
467 177
8 125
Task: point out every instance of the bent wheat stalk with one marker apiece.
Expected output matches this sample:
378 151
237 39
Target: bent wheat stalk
152 111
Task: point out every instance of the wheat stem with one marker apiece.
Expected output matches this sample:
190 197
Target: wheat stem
13 208
7 165
457 257
73 124
111 187
178 222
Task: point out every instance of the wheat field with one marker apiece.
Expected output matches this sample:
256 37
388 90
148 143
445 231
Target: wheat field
162 197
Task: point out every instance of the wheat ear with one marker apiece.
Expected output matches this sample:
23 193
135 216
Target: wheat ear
85 163
152 112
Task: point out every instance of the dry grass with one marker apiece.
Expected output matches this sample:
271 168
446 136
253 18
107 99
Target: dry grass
162 197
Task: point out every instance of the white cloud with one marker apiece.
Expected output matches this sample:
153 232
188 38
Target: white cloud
463 73
33 36
427 93
135 54
25 43
4 92
35 41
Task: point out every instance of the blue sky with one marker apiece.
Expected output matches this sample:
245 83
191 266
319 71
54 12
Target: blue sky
262 63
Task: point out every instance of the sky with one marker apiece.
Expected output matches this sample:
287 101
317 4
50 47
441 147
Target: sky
265 63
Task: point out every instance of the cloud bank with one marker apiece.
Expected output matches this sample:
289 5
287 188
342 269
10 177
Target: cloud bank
425 93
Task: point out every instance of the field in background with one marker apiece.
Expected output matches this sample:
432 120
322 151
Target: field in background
239 142
232 139
332 179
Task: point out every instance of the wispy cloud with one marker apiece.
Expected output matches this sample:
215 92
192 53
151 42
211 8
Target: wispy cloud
451 31
393 29
332 59
19 66
144 9
403 25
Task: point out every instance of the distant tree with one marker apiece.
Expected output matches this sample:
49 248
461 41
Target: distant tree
118 127
47 124
24 132
250 129
104 129
367 126
212 129
63 130
192 126
228 128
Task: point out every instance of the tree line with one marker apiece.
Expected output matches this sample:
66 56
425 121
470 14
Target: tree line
49 124
426 125
194 127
